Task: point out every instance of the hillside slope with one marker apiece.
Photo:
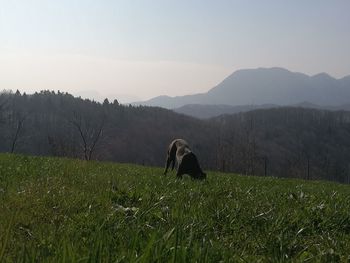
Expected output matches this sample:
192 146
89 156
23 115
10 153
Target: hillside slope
51 210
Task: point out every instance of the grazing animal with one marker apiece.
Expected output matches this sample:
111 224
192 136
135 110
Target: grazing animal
186 160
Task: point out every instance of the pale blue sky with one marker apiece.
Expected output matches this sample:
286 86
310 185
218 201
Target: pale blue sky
149 48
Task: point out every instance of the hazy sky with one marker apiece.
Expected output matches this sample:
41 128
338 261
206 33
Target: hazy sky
154 47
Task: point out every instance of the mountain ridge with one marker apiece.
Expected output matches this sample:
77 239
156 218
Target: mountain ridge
202 111
266 86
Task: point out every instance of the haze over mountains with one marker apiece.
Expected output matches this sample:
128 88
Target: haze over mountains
261 88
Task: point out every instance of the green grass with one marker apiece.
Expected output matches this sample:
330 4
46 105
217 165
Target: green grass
63 210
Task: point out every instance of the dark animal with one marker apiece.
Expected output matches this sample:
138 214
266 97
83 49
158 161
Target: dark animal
186 160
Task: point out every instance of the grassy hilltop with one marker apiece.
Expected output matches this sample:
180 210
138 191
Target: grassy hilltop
64 210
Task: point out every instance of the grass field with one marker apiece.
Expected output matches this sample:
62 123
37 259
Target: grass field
63 210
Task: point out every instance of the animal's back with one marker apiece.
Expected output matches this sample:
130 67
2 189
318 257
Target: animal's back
175 145
182 150
180 143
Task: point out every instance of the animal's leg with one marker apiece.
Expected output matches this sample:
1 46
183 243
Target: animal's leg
178 175
172 154
168 161
180 171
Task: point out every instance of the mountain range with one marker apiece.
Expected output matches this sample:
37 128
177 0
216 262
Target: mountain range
260 88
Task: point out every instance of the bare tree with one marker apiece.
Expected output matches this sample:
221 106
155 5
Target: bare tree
3 105
89 132
18 125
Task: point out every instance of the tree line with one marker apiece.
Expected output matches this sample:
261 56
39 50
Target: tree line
283 142
288 142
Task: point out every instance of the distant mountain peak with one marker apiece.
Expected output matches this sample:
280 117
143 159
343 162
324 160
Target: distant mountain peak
280 69
260 86
323 76
264 70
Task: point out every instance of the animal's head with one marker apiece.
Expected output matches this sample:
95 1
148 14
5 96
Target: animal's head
191 166
202 175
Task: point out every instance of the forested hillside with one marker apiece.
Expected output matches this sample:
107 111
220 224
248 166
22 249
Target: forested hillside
284 142
292 142
58 124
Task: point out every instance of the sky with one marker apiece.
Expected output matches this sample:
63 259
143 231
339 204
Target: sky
137 49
